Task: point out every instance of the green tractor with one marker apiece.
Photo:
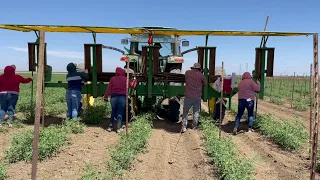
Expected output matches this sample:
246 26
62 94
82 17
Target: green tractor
170 61
169 53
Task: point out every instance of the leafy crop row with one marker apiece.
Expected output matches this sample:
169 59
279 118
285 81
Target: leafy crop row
3 170
289 134
223 153
50 140
295 90
126 151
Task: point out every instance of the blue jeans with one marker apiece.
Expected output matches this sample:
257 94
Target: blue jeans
73 98
118 104
8 103
242 105
188 103
80 105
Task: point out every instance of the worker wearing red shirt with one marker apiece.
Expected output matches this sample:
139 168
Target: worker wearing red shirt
195 81
117 89
9 91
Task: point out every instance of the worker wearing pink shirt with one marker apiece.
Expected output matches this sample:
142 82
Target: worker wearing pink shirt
246 94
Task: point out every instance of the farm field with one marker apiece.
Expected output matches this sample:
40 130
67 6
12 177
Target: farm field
83 150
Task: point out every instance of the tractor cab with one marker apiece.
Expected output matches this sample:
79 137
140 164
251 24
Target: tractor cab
169 50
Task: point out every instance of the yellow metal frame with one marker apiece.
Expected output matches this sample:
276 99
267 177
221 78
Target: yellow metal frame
115 30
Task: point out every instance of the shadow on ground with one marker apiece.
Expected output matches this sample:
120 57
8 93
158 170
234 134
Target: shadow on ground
228 127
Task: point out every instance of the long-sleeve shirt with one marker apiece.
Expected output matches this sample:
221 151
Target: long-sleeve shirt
247 89
118 84
10 82
195 81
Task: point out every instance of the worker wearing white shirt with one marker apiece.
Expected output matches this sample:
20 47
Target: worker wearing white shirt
217 86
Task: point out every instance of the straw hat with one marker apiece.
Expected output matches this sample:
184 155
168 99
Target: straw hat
196 66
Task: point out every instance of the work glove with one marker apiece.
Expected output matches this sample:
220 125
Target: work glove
32 77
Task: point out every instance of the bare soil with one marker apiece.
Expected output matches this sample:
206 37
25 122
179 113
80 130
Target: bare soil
189 160
89 147
269 161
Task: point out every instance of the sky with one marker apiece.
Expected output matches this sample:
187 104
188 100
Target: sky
292 54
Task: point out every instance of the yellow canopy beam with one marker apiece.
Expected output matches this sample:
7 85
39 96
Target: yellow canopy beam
115 30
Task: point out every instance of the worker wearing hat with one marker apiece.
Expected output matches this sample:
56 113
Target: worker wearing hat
158 45
195 81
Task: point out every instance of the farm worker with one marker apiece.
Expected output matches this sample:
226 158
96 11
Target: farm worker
247 89
217 86
73 94
14 66
174 102
9 91
86 99
117 89
193 91
158 45
131 71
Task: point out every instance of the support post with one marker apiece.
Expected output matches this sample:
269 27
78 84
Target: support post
316 107
31 99
221 100
292 93
127 97
43 103
263 44
262 75
311 112
205 71
150 72
38 106
94 72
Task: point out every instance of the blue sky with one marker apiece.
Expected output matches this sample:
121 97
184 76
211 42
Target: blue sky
292 54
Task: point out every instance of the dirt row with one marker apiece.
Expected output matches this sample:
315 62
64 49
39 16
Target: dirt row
189 158
189 161
69 163
269 161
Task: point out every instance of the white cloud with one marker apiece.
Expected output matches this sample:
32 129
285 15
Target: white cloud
62 54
